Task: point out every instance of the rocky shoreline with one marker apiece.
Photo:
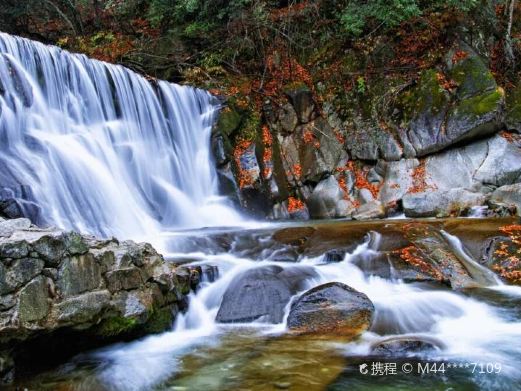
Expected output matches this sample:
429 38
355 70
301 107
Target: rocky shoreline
447 144
61 292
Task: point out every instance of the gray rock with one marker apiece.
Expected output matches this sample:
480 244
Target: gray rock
440 203
323 201
508 195
79 274
365 196
332 309
33 302
287 118
371 210
84 308
262 294
124 279
437 122
402 347
461 163
302 101
502 166
398 179
20 272
320 156
344 208
7 227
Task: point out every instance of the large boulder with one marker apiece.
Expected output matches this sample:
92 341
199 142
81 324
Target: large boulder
398 179
436 120
509 195
261 294
462 163
325 197
331 309
502 166
441 203
76 289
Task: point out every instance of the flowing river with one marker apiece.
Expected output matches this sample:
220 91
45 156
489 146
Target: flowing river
108 153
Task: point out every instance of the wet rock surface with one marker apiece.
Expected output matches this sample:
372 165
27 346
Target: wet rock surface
331 309
261 294
399 347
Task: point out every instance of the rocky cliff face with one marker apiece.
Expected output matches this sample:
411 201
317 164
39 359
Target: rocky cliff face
442 145
73 291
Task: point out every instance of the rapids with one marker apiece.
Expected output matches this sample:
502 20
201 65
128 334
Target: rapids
474 326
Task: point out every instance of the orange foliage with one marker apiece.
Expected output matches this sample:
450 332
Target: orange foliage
309 138
361 181
294 204
297 171
410 255
245 178
449 85
340 137
507 264
268 151
459 56
290 11
511 137
419 180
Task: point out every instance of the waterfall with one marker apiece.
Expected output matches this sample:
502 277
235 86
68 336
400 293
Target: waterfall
102 150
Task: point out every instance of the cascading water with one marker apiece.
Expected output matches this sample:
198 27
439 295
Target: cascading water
464 329
102 150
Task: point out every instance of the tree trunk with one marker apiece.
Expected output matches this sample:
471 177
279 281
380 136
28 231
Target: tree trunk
509 51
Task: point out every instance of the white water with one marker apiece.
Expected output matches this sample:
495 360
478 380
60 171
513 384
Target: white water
102 150
467 330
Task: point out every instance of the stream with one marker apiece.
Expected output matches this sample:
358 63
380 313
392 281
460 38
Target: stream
97 148
476 330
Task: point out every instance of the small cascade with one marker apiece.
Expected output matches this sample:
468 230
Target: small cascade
102 150
403 310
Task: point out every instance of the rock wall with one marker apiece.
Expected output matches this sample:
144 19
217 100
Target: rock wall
442 145
61 290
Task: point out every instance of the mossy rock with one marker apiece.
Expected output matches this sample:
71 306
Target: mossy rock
472 76
159 320
117 325
481 105
230 119
427 97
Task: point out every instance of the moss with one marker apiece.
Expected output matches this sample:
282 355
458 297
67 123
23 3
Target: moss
472 76
427 96
116 326
250 128
159 320
481 104
229 120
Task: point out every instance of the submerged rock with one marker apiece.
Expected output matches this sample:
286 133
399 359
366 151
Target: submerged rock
331 309
55 283
400 346
262 294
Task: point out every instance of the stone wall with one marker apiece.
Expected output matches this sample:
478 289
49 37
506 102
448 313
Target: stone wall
68 289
